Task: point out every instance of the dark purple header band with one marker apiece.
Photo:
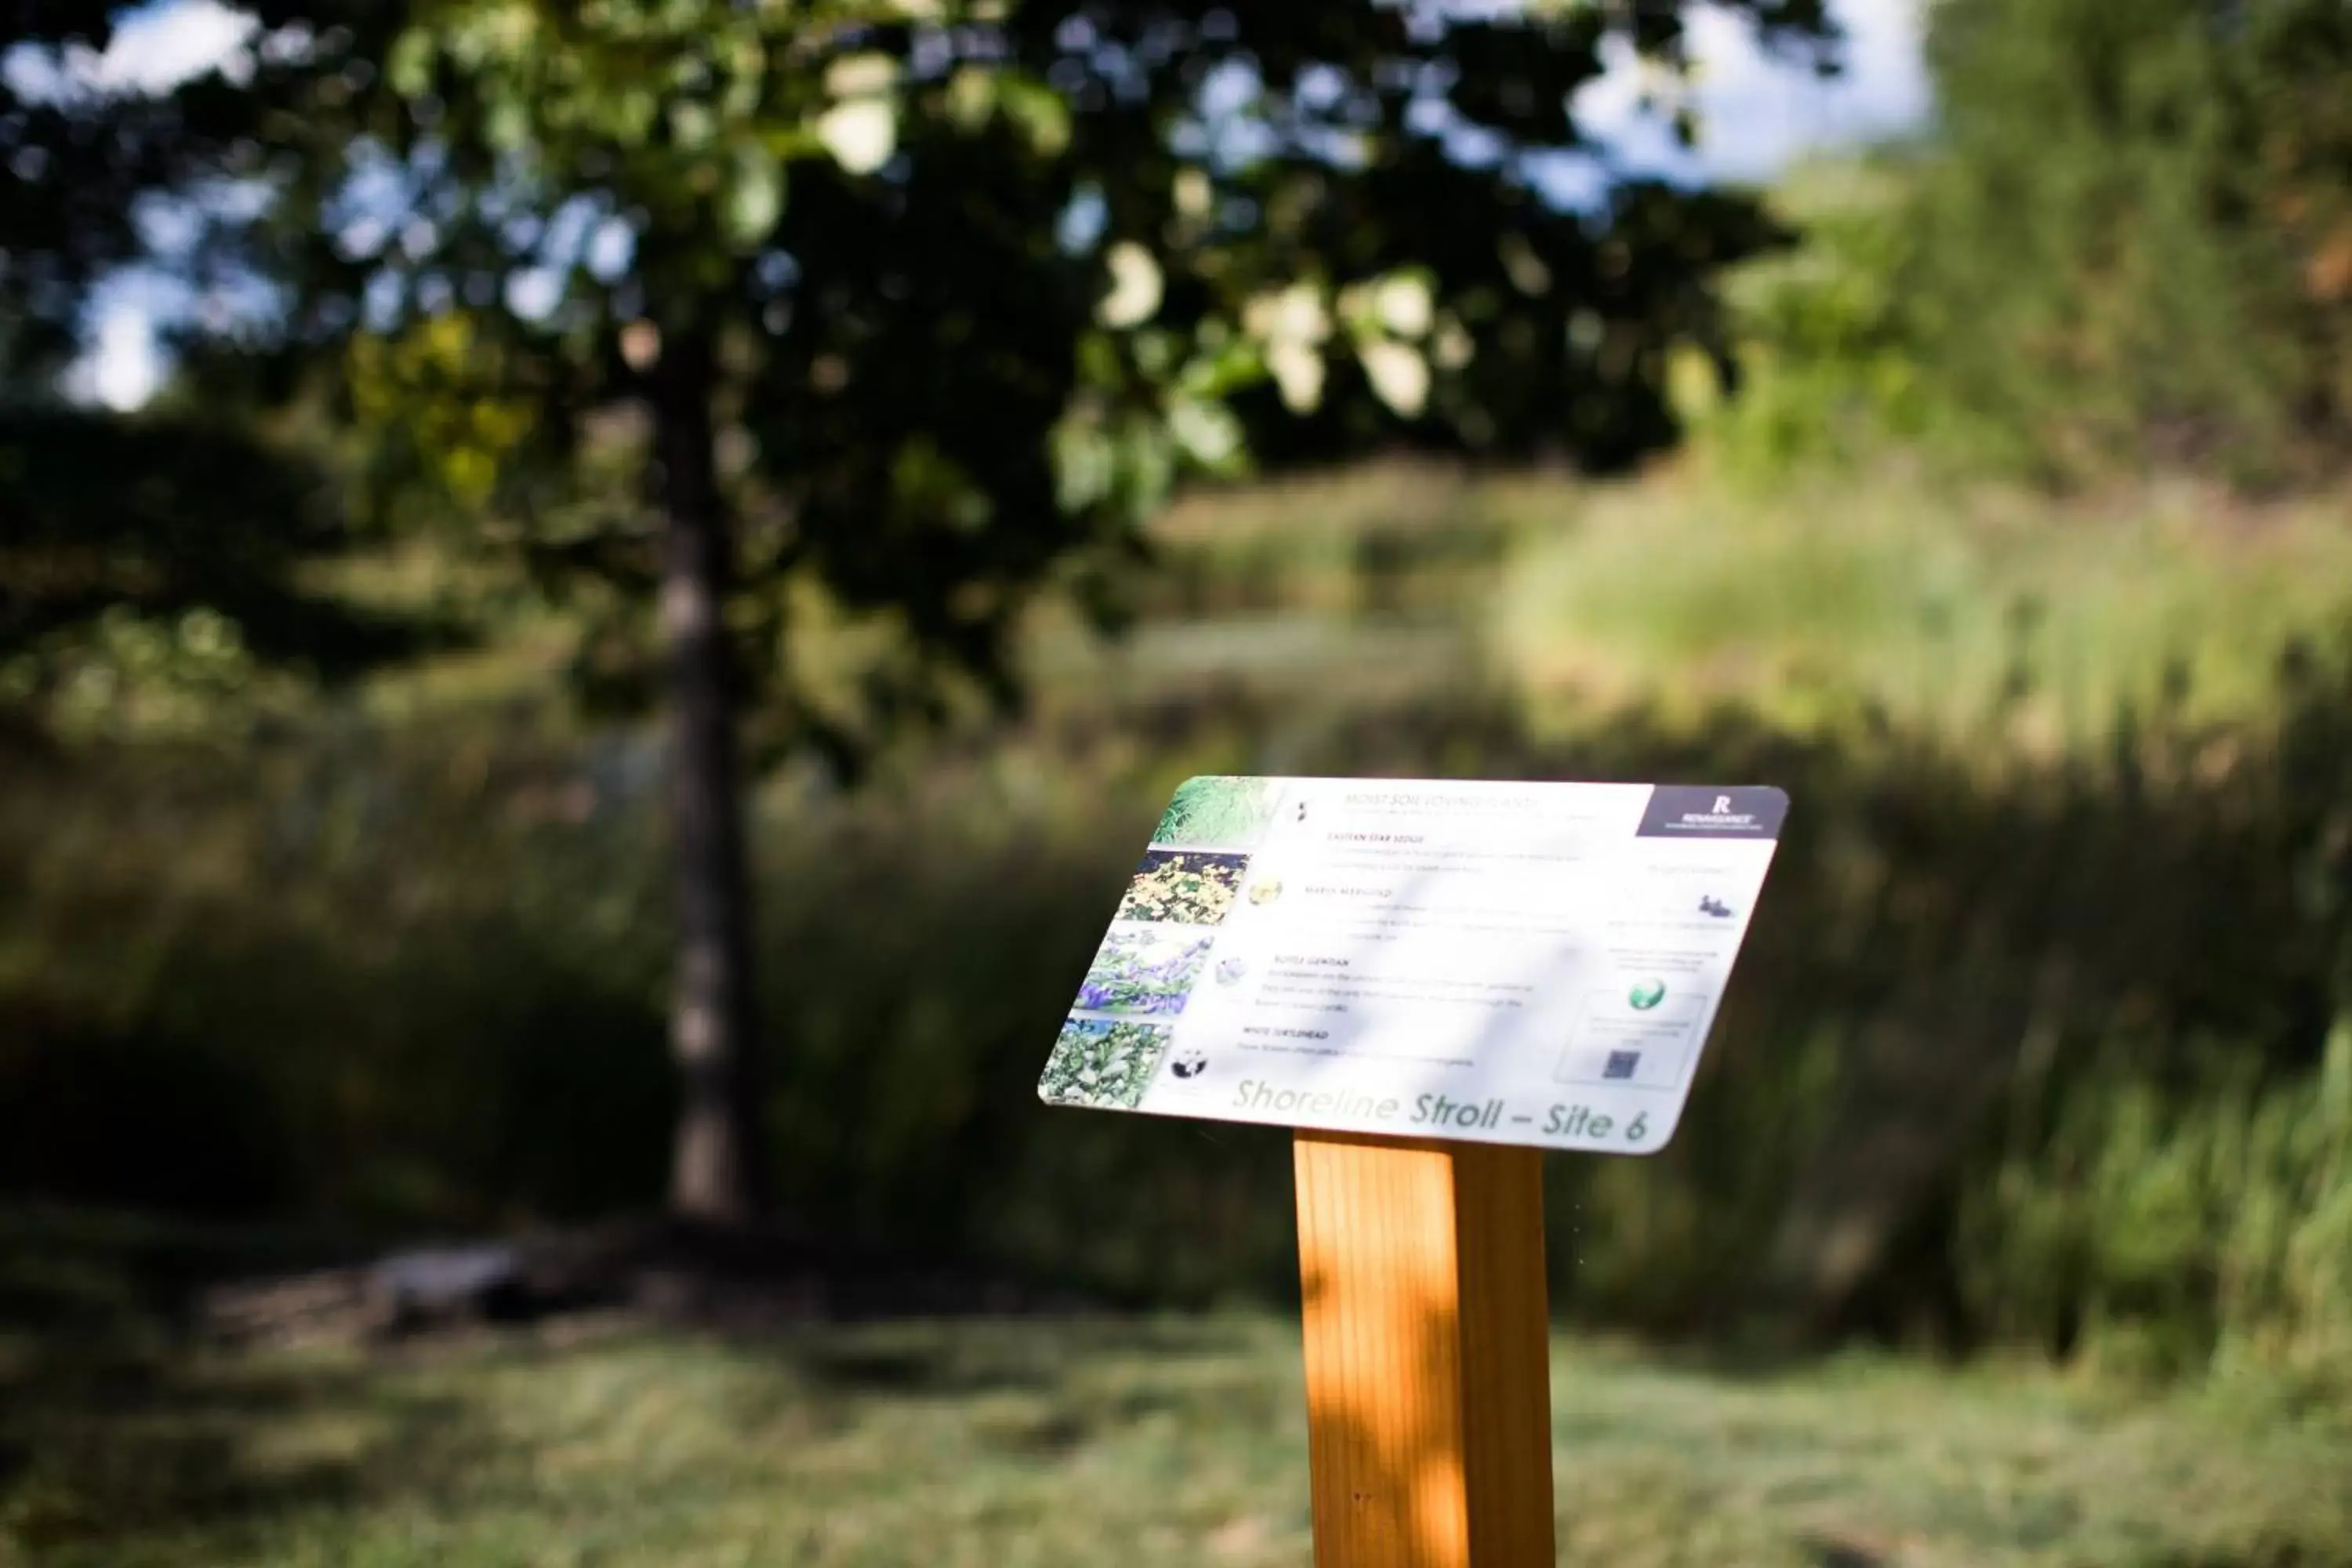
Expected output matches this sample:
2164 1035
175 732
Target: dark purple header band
1696 811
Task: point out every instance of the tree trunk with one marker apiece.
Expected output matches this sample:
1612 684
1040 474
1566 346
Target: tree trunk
716 1167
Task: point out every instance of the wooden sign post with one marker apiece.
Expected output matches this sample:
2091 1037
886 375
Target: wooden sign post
1432 982
1428 1364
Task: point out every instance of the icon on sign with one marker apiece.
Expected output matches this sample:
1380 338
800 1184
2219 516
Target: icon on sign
1191 1062
1620 1064
1708 904
1264 892
1230 970
1646 994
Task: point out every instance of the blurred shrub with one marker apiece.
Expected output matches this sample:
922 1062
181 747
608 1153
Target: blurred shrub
2126 243
1828 366
430 988
2135 243
2061 1044
2173 1178
2150 1230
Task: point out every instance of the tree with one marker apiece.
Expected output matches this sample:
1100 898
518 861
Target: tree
898 310
2134 232
176 539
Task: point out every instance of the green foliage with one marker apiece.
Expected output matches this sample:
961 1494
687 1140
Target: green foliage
152 569
156 572
444 1010
2127 243
887 316
2163 1228
1096 1061
1231 812
949 298
1894 592
1829 372
419 970
2138 244
338 1095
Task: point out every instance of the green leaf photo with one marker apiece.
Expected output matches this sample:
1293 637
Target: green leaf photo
1219 810
1099 1062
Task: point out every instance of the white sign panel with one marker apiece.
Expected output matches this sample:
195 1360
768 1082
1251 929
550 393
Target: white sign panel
1498 962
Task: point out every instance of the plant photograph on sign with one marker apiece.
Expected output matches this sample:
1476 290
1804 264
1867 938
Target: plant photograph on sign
1143 971
1218 810
1186 887
1102 1062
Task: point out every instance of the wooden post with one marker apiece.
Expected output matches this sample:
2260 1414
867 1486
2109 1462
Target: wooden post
1428 1364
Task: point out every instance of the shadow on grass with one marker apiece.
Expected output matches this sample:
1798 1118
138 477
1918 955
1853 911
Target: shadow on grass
978 1356
106 1444
1841 1554
2282 1553
114 1424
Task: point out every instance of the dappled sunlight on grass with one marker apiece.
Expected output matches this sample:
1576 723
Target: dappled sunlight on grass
1136 1441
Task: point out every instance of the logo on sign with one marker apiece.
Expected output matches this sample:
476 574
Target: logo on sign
1712 812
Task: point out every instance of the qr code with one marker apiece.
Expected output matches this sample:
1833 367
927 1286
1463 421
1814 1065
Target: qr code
1621 1064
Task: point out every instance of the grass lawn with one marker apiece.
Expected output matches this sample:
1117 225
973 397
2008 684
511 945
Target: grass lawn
1135 1442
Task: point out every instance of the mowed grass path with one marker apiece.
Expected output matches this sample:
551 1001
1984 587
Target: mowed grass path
1133 1443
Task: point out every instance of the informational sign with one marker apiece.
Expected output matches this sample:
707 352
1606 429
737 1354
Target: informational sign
1532 963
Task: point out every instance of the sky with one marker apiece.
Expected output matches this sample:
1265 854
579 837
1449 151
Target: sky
1757 113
